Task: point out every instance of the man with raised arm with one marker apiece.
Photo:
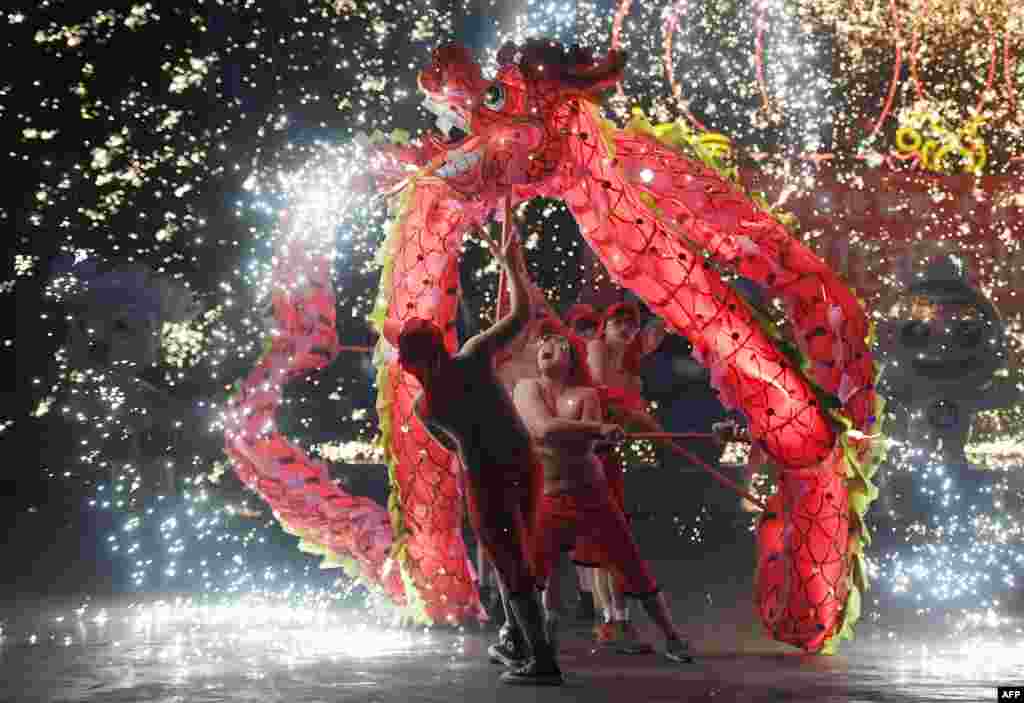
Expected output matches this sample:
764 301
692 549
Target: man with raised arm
563 416
465 408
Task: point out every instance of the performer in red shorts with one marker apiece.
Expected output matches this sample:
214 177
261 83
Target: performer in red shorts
464 407
564 419
613 359
516 362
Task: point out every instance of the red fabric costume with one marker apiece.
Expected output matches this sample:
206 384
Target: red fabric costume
586 552
563 518
617 399
614 400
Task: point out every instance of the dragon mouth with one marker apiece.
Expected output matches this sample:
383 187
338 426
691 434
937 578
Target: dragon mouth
457 135
450 123
458 162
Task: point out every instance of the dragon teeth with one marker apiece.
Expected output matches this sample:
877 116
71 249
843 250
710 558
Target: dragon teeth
444 124
457 163
445 116
453 119
431 106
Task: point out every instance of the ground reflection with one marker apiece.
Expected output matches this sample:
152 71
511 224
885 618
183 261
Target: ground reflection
179 651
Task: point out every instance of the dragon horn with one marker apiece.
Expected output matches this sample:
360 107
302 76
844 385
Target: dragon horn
597 77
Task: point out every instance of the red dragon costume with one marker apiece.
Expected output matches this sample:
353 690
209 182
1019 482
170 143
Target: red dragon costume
665 224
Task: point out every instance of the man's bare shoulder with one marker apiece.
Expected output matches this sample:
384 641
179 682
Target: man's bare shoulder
472 345
473 357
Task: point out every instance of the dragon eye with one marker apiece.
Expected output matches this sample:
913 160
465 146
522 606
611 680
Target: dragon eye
494 97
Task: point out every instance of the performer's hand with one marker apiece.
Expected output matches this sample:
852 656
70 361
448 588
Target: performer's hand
718 433
612 434
512 252
724 432
507 253
729 431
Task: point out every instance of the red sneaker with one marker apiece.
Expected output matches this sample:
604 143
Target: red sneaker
607 634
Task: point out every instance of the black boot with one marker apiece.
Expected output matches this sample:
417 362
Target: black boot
533 674
490 599
552 621
510 649
542 668
585 607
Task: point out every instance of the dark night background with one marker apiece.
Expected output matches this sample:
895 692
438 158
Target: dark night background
302 60
55 542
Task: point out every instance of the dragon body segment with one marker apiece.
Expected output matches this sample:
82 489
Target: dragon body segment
347 531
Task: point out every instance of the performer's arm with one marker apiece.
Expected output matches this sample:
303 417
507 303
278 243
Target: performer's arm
435 431
501 334
550 429
596 361
730 431
644 342
591 410
540 313
650 337
540 308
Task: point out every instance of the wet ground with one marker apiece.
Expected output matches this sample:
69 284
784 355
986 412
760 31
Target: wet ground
113 651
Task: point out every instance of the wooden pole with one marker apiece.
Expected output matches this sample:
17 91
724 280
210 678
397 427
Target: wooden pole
668 440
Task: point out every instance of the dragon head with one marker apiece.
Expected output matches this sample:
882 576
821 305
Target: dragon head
497 135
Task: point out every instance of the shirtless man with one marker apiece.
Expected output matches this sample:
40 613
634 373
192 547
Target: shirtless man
613 359
465 408
564 419
614 356
518 362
